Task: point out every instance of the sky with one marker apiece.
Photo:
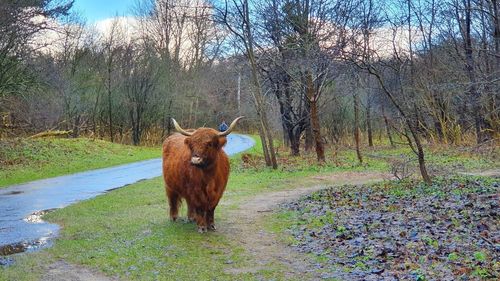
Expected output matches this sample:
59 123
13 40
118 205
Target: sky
98 10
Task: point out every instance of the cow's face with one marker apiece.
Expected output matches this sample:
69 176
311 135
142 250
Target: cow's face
204 145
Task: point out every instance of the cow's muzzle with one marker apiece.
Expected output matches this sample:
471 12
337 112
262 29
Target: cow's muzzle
195 160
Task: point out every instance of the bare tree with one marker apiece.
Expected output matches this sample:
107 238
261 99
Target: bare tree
239 24
112 45
279 66
139 75
394 76
75 78
17 29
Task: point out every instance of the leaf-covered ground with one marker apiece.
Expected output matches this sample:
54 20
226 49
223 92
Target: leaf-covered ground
402 230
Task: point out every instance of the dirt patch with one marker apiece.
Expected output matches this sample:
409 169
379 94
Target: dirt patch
63 271
353 177
486 173
246 226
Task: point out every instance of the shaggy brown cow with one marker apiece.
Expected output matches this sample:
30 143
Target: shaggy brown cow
196 168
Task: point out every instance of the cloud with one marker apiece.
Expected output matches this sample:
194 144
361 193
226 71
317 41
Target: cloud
59 36
128 27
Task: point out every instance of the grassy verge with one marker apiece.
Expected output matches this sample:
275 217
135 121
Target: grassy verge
126 232
25 160
440 160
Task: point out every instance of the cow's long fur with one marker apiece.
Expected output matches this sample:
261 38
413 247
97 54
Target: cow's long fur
201 185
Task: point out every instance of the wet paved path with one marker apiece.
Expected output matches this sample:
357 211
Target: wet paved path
21 206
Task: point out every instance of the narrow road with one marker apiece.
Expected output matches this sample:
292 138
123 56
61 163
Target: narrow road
21 206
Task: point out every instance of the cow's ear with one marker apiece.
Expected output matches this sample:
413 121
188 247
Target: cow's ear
222 141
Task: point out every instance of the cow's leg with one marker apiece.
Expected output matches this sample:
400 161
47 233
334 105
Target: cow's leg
211 220
201 220
173 200
191 213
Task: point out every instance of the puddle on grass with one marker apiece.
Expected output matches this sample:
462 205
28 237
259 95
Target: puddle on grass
8 250
6 261
49 231
36 217
22 206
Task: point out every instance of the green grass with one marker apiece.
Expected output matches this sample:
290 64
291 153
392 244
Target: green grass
439 161
135 239
24 160
126 232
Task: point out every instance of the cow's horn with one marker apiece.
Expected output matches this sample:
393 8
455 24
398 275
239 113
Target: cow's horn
231 127
181 130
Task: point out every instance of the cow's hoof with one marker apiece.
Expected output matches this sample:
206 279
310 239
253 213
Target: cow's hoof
202 229
212 227
174 219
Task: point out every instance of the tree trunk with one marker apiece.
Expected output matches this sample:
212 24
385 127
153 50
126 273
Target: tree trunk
494 97
258 97
94 127
286 135
295 142
420 153
439 116
369 122
94 113
387 127
135 116
474 94
102 126
496 33
169 117
315 125
356 127
120 132
110 112
270 139
308 136
284 102
439 130
265 149
76 126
